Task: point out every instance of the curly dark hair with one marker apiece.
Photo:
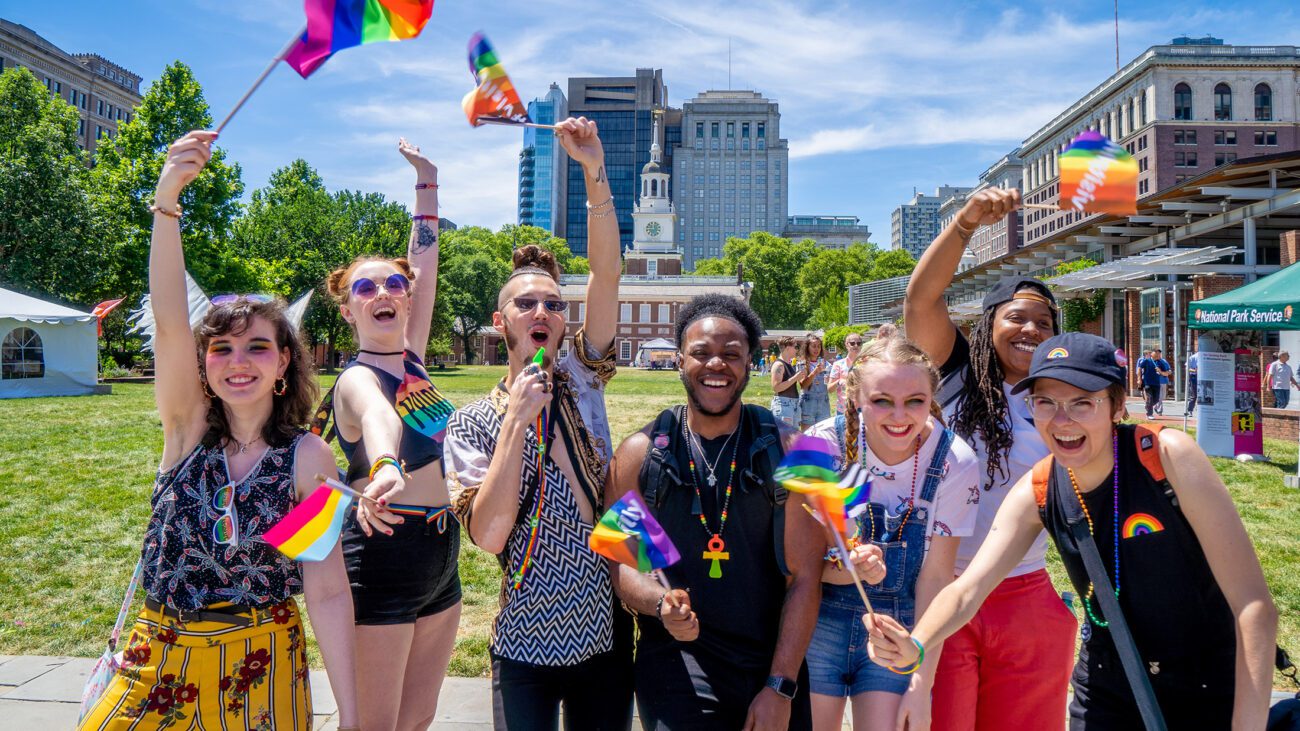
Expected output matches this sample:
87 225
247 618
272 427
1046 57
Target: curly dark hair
982 409
720 305
292 410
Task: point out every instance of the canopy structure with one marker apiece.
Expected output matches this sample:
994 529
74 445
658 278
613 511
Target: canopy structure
46 349
1270 303
659 350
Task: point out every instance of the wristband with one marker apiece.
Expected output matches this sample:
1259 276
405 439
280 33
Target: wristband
426 186
170 214
659 608
386 459
920 658
423 217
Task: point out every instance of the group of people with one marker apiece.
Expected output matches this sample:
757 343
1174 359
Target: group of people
763 627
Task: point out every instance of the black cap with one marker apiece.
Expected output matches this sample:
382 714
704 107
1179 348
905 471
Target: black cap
1079 359
1006 288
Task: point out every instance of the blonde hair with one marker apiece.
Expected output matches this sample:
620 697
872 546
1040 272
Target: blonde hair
900 351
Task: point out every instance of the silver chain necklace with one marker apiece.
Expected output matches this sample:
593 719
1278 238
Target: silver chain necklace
712 479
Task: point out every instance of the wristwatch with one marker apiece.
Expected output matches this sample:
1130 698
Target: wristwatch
784 687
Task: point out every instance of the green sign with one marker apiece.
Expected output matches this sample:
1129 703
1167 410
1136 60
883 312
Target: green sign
1203 316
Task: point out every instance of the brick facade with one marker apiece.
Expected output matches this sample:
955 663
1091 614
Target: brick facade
1210 285
1289 243
1133 341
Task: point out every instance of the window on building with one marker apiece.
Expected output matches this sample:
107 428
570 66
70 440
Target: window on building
699 192
625 350
1142 164
643 313
744 129
1265 138
1223 158
760 180
699 163
81 128
744 223
713 222
1184 137
744 164
699 180
715 193
1225 136
714 179
713 130
699 129
625 312
665 313
1142 186
713 208
731 129
697 236
652 267
1263 103
1222 101
99 108
582 311
730 223
729 180
713 236
699 221
1182 101
1184 159
714 165
762 130
22 355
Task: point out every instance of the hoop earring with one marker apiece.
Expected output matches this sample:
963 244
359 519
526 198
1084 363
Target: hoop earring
207 390
281 385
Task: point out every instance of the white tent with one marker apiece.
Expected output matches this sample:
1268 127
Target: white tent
46 349
658 350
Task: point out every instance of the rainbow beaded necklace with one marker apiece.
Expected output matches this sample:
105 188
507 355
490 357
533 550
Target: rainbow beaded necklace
717 548
1087 599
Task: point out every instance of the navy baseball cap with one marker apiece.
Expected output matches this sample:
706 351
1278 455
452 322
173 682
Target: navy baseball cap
1084 361
1006 288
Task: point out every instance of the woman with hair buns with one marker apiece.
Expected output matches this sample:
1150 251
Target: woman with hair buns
401 546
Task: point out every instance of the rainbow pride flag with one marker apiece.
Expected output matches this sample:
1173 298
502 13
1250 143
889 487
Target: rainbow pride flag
809 469
311 529
495 98
629 534
1098 176
333 25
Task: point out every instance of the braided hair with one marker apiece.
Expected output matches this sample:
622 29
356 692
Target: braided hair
982 410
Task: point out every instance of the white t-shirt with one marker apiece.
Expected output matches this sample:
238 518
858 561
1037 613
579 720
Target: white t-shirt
1027 448
952 513
1279 375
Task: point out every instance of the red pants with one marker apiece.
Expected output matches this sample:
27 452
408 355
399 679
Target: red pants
1009 667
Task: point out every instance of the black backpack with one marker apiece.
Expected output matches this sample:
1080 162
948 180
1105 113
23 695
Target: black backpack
660 471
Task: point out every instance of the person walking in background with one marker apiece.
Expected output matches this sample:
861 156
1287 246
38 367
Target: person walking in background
840 370
1280 378
785 377
1165 370
1150 371
814 402
1193 365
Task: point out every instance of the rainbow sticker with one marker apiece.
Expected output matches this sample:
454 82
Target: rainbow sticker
1140 524
1058 353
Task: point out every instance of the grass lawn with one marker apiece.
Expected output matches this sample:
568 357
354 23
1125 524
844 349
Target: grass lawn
75 476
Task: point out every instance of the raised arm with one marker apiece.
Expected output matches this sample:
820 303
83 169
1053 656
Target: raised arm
178 391
1213 516
581 140
422 249
924 309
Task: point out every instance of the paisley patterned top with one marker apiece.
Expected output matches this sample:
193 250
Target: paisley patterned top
186 564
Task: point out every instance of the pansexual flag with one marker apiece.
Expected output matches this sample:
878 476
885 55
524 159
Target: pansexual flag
629 534
1098 176
809 469
333 25
495 99
310 530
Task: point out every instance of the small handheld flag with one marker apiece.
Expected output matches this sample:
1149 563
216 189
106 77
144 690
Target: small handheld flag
495 100
333 25
1098 176
102 309
629 534
310 530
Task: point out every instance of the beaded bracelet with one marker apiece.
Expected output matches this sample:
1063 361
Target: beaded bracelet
920 658
426 186
607 202
384 459
423 217
170 214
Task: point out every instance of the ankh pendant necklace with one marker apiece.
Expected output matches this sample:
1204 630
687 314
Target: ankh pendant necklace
717 547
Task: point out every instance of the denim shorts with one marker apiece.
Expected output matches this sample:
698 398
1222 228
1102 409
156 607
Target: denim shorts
838 664
786 409
814 407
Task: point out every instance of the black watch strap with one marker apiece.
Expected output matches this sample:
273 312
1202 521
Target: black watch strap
784 687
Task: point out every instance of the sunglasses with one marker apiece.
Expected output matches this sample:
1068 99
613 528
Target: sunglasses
528 304
395 285
226 530
230 299
851 343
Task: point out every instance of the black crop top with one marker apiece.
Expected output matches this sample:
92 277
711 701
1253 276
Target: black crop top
424 411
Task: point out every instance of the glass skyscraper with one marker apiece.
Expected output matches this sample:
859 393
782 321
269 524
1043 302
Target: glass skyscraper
541 190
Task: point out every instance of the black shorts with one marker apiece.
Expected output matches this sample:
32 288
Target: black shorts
1193 694
399 578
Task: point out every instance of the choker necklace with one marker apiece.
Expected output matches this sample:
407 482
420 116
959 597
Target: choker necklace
376 352
243 446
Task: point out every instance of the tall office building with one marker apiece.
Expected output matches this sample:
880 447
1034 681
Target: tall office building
543 166
731 171
623 108
102 92
915 223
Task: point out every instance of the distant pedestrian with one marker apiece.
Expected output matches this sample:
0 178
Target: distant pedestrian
814 401
1149 366
1280 378
785 391
840 370
1165 370
1193 365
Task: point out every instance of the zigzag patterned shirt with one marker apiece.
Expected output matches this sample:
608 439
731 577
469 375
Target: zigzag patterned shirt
563 612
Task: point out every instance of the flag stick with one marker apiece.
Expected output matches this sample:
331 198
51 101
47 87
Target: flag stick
265 72
335 484
511 123
1041 206
844 558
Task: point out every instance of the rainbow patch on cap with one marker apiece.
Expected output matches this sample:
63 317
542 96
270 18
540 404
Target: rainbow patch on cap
1121 360
1056 353
1140 524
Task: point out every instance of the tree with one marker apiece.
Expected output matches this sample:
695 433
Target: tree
892 263
832 311
827 275
47 243
468 285
1075 313
713 268
769 262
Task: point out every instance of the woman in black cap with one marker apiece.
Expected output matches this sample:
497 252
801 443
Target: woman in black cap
995 672
1174 550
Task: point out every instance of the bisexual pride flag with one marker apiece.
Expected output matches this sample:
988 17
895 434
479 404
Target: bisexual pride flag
333 25
1098 176
311 529
629 534
495 99
809 469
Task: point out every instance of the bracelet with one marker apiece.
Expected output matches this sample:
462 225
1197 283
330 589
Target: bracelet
659 608
607 202
426 186
385 459
170 214
914 666
606 214
423 217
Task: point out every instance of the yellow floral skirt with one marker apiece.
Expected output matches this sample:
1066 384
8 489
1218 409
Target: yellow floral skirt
210 675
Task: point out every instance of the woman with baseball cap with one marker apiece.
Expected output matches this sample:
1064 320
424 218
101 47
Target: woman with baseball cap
993 673
1185 576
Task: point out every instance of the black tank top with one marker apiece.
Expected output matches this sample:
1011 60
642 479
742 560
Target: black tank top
1171 601
740 611
786 373
424 412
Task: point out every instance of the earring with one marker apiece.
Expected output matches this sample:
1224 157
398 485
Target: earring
281 386
207 390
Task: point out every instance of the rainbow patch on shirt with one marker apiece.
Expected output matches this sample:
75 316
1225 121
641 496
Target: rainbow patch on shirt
1058 353
1141 524
422 407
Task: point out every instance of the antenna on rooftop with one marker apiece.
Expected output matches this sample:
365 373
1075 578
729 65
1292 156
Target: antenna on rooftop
728 63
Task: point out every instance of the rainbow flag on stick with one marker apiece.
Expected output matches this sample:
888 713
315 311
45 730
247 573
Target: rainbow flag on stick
1098 176
495 100
310 530
629 534
333 25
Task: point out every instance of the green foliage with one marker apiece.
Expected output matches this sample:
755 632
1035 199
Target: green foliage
1075 313
833 310
47 237
713 268
834 337
827 275
892 263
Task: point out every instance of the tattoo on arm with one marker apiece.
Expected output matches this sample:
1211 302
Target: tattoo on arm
600 174
425 238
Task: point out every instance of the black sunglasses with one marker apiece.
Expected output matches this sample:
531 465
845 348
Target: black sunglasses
395 285
528 304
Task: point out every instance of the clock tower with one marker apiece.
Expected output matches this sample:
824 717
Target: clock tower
654 249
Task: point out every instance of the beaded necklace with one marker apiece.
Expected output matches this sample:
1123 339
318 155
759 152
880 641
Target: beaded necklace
1087 599
535 521
717 548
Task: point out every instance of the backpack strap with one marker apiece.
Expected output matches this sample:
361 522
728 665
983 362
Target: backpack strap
1147 437
765 455
1041 476
662 437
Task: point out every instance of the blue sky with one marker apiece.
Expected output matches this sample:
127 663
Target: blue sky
876 98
